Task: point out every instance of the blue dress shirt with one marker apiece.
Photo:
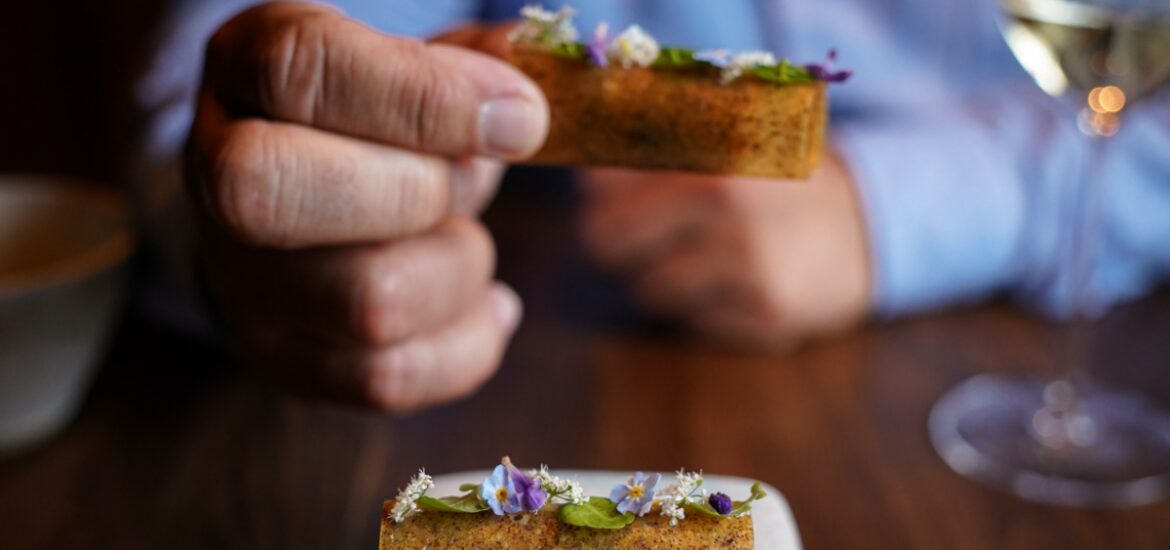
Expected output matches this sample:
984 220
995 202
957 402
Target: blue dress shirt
965 169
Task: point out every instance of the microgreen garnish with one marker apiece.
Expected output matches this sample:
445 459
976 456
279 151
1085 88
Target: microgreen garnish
595 513
741 507
677 58
508 490
469 503
782 73
406 501
634 47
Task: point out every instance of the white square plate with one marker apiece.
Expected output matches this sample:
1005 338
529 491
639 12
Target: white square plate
771 518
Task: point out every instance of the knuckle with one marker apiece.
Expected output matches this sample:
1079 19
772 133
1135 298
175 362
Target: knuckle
290 62
419 197
472 251
395 377
382 312
478 241
422 93
243 180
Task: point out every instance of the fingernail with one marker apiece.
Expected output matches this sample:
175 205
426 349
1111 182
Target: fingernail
507 306
510 127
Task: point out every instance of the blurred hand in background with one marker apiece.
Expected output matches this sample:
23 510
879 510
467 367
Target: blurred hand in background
753 261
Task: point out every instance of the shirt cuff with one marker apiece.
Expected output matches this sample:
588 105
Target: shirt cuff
944 211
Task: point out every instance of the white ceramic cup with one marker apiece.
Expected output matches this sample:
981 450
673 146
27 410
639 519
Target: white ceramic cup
63 247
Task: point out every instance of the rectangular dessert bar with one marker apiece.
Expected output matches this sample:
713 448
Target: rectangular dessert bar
675 119
542 530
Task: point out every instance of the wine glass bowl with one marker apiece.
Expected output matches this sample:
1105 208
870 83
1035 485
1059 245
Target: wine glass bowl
1069 440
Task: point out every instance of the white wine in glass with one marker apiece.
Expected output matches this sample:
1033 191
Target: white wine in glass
1069 440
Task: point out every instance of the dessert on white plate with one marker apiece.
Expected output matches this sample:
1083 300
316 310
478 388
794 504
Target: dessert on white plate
508 508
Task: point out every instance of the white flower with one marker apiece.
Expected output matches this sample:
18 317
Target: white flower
687 483
746 60
545 27
405 502
672 510
687 488
634 47
565 490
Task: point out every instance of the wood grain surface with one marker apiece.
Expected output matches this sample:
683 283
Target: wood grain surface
179 448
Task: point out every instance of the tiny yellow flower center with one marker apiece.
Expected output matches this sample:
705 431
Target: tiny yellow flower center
502 494
625 46
636 492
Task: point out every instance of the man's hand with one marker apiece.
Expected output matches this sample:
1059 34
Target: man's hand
755 261
338 171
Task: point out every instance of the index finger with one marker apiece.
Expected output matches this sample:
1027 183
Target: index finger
310 65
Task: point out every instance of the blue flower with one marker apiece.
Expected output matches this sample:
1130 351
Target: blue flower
636 494
824 71
720 502
499 492
528 492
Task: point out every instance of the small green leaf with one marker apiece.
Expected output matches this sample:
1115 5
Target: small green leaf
740 507
466 504
569 50
676 58
466 487
595 513
782 73
703 508
758 492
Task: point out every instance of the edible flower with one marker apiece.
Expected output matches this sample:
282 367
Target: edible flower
544 27
530 494
499 492
634 47
719 58
406 501
566 491
636 494
824 71
687 489
721 503
596 47
746 60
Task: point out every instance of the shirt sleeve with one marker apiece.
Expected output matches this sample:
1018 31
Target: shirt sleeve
966 170
970 198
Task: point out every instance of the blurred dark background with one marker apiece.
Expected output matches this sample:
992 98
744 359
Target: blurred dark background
65 83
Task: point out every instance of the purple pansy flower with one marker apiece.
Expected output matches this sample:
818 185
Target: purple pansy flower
530 494
720 502
636 494
596 47
824 71
499 491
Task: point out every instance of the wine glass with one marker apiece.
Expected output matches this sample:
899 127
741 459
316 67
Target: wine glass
1069 440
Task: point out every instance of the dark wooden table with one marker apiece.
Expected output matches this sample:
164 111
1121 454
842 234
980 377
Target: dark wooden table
178 448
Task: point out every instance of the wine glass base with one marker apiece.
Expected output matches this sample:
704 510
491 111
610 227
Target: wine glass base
1113 449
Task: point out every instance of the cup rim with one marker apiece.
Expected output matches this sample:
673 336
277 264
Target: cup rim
97 258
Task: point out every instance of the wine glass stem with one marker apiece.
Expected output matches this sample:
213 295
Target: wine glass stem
1058 423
